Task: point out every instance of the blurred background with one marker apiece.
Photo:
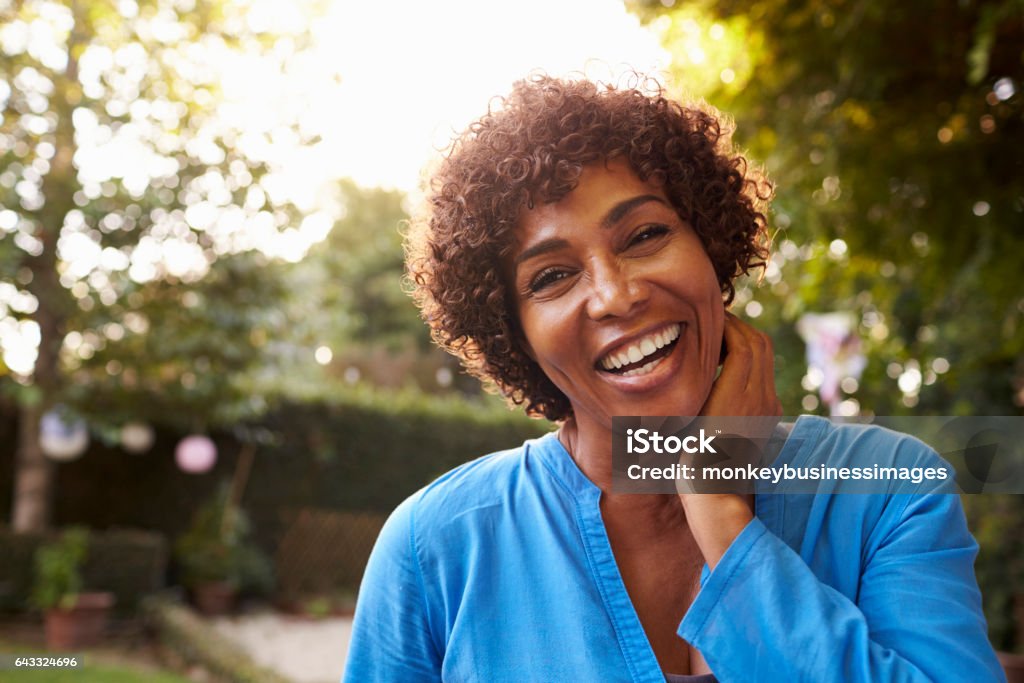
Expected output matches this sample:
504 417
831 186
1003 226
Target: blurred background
209 371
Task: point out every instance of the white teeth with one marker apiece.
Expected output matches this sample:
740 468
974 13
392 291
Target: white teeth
638 350
635 354
615 361
642 370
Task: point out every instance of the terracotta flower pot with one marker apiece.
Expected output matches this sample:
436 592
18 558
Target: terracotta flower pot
214 598
82 625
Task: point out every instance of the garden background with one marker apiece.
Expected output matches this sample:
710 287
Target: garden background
199 236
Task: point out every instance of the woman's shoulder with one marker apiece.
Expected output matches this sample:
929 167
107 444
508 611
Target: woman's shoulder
868 486
818 441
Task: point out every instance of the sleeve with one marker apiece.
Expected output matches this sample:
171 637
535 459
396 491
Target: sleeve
917 616
391 637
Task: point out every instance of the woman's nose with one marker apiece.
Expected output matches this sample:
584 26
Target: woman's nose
615 291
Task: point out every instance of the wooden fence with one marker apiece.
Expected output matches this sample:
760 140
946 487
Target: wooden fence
324 552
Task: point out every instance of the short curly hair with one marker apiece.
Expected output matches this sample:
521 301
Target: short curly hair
531 148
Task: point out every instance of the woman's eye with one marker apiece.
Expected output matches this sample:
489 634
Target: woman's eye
546 278
648 233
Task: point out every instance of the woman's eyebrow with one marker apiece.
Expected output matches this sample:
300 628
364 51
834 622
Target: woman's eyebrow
544 247
622 209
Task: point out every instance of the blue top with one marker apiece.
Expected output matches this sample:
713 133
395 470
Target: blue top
501 570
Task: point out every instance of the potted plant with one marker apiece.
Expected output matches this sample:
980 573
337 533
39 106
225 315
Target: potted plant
216 558
73 618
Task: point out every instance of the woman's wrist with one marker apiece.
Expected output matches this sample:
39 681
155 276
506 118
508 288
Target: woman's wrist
715 520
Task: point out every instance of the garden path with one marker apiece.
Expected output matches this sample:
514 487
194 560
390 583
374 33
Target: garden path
302 649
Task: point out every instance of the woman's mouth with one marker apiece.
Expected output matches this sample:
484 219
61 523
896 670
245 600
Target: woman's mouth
641 355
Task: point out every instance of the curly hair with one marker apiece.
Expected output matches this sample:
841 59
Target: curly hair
531 149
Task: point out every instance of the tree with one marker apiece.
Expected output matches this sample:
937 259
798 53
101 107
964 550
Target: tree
354 303
132 209
358 270
890 130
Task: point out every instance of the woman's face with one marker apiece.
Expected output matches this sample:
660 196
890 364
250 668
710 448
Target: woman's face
618 302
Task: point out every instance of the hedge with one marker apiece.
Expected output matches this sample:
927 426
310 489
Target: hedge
131 564
359 452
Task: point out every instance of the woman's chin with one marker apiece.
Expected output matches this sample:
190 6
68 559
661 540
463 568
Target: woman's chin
670 388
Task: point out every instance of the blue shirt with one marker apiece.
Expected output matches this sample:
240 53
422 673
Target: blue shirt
501 570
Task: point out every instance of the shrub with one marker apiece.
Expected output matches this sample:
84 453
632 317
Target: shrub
58 570
217 547
128 563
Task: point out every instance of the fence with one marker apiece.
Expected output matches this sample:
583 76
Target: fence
324 552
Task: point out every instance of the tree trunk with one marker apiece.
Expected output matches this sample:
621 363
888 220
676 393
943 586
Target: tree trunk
33 475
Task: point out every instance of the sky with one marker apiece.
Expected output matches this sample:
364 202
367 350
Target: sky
414 73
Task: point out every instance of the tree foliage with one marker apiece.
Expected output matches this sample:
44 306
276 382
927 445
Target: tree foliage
354 276
138 214
134 206
891 128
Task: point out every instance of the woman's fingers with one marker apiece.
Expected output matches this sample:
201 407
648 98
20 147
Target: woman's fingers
739 355
773 403
761 381
745 388
746 385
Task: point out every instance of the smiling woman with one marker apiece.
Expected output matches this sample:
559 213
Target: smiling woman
531 154
577 252
582 270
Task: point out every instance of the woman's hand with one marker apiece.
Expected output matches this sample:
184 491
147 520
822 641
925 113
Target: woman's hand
745 387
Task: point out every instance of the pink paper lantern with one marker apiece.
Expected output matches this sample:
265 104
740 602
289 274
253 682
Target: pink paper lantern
195 454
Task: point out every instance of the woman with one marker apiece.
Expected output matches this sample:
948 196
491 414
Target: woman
578 253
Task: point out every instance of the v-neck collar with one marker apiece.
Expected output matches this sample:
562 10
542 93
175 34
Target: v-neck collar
636 648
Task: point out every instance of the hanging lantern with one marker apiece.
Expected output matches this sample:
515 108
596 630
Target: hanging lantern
195 454
61 437
137 437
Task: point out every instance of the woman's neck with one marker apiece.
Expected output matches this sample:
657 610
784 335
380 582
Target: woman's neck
591 448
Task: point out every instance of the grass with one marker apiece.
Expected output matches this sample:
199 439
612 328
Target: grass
90 674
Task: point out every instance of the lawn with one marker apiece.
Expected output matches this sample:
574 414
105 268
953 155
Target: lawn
91 674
